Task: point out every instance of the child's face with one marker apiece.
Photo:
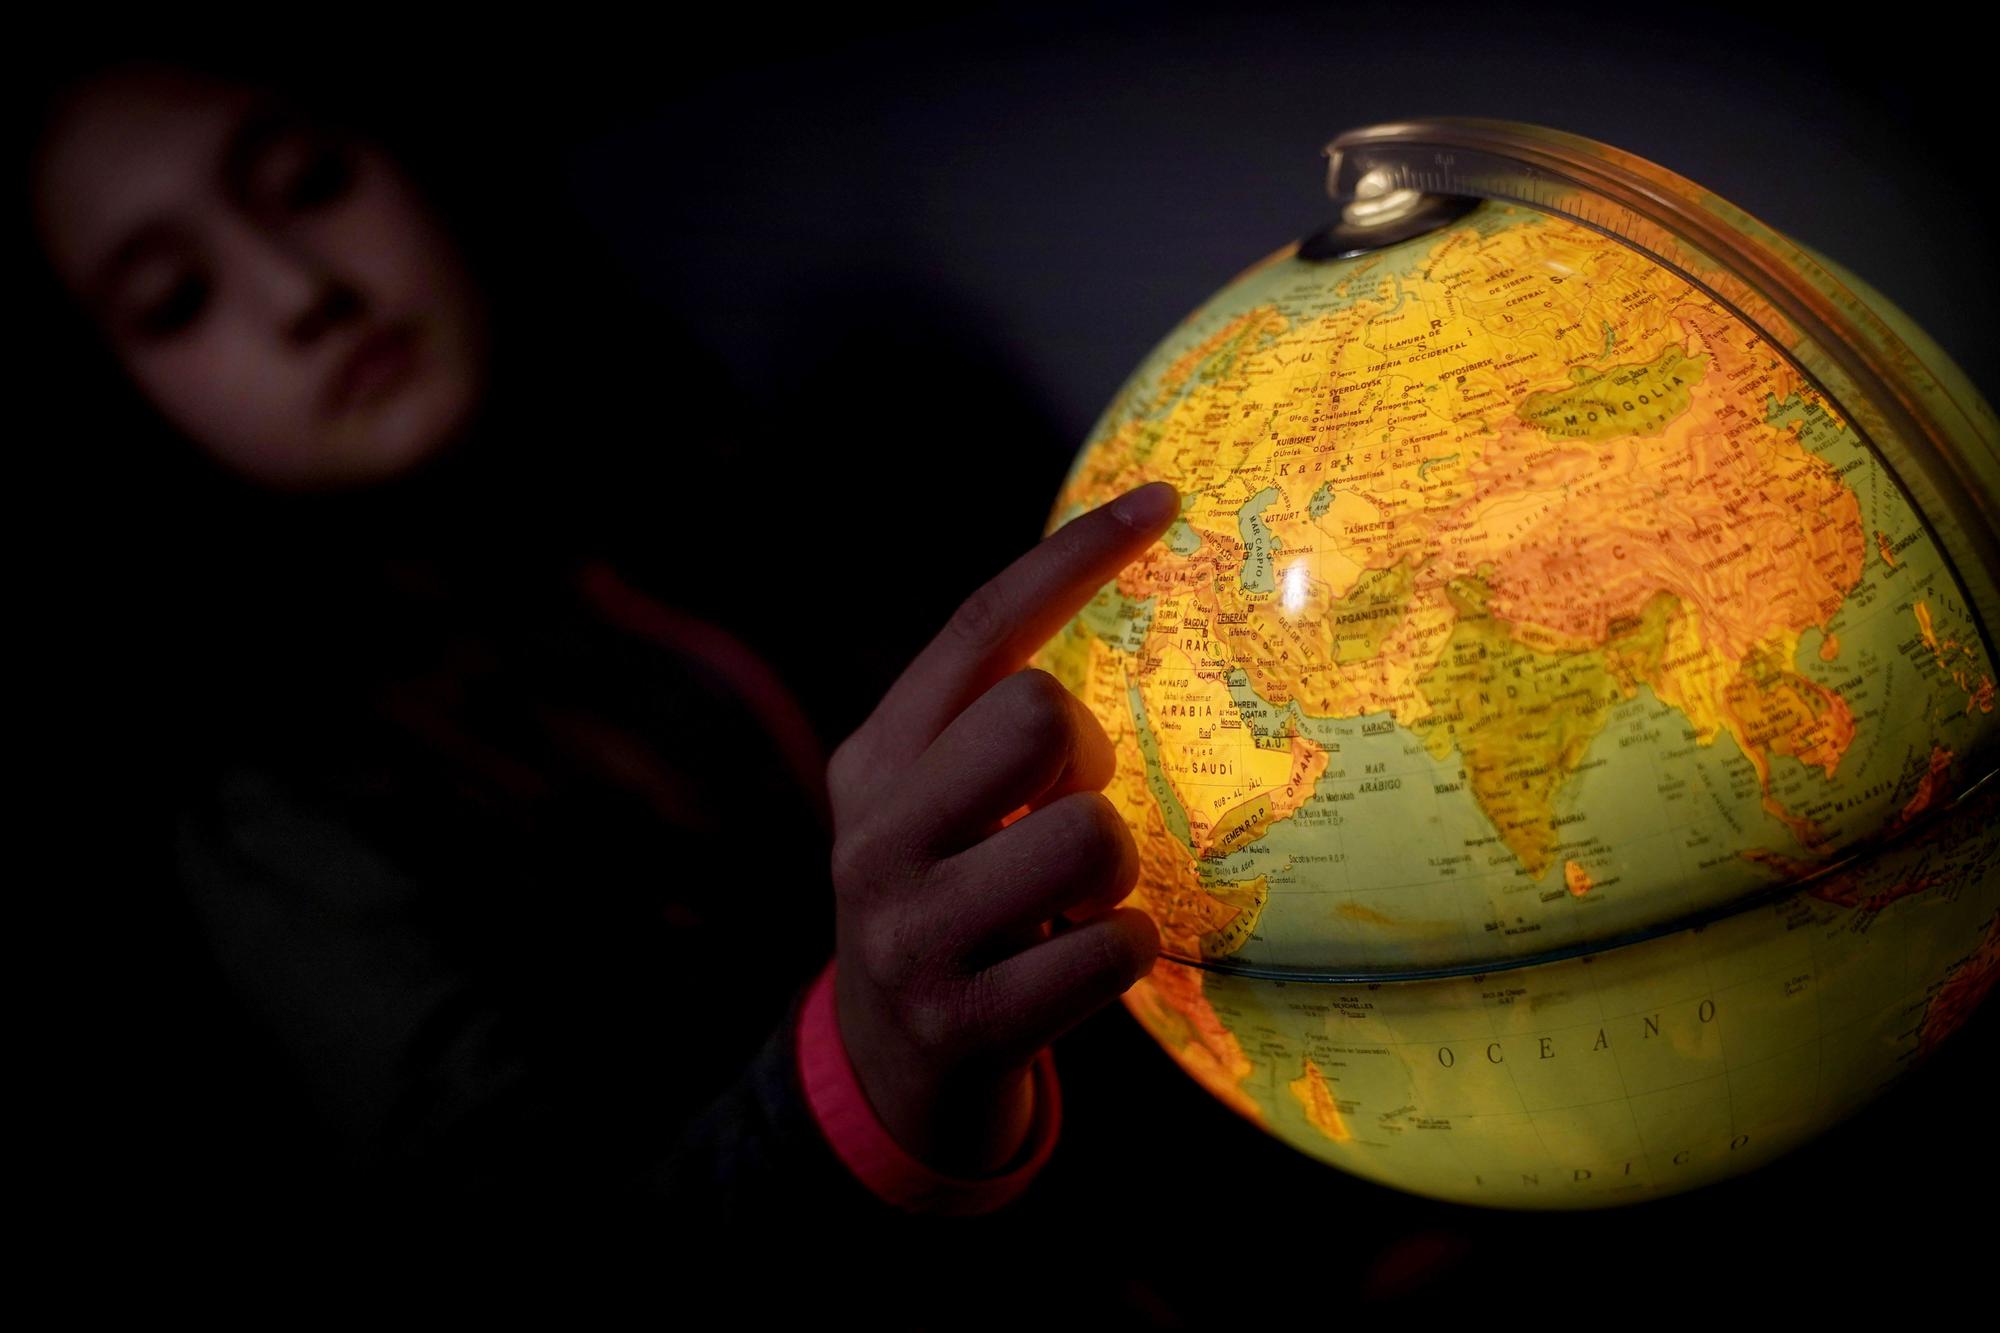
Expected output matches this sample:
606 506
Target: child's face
278 290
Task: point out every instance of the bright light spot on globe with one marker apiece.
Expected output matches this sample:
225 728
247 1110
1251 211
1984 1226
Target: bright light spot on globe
1293 596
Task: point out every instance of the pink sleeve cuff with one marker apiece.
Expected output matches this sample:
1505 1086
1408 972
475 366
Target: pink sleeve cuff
875 1159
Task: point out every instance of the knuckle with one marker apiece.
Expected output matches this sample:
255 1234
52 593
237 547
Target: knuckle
1040 704
847 769
862 860
932 1003
902 950
885 958
841 762
1094 828
879 849
933 1023
850 865
1041 686
928 1029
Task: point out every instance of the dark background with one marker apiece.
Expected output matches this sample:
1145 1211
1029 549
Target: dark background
909 260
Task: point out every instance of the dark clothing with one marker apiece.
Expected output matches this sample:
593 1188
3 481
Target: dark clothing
533 924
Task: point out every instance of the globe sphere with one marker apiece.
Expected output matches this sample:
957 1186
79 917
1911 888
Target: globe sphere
1557 729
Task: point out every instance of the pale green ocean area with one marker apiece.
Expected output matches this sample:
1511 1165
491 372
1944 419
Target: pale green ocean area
1392 864
1181 539
1632 1073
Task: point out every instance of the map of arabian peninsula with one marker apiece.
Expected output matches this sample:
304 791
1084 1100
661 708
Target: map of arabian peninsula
1519 587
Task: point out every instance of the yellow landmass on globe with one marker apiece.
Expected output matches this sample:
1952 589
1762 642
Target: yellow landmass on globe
1231 787
1248 898
1457 474
1619 401
1193 921
1316 1100
1170 1005
1523 720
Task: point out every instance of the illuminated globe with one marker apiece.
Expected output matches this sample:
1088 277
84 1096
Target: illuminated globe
1555 730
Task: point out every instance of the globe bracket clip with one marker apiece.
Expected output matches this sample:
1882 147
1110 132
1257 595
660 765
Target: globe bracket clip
1376 211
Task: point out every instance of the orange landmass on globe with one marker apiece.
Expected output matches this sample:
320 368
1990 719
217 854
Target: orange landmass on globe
1850 889
1959 658
1231 787
1170 1005
1964 987
1932 786
1315 1098
1582 446
1765 542
1886 548
1248 898
1576 879
1193 922
1521 720
1773 710
1363 913
1863 887
1690 258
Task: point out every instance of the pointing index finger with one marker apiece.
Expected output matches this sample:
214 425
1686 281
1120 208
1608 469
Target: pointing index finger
992 634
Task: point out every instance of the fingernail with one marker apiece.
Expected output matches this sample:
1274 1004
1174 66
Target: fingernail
1149 506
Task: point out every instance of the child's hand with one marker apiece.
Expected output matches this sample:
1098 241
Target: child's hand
949 979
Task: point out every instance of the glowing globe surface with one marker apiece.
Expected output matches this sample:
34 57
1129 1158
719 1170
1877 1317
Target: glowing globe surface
1554 728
